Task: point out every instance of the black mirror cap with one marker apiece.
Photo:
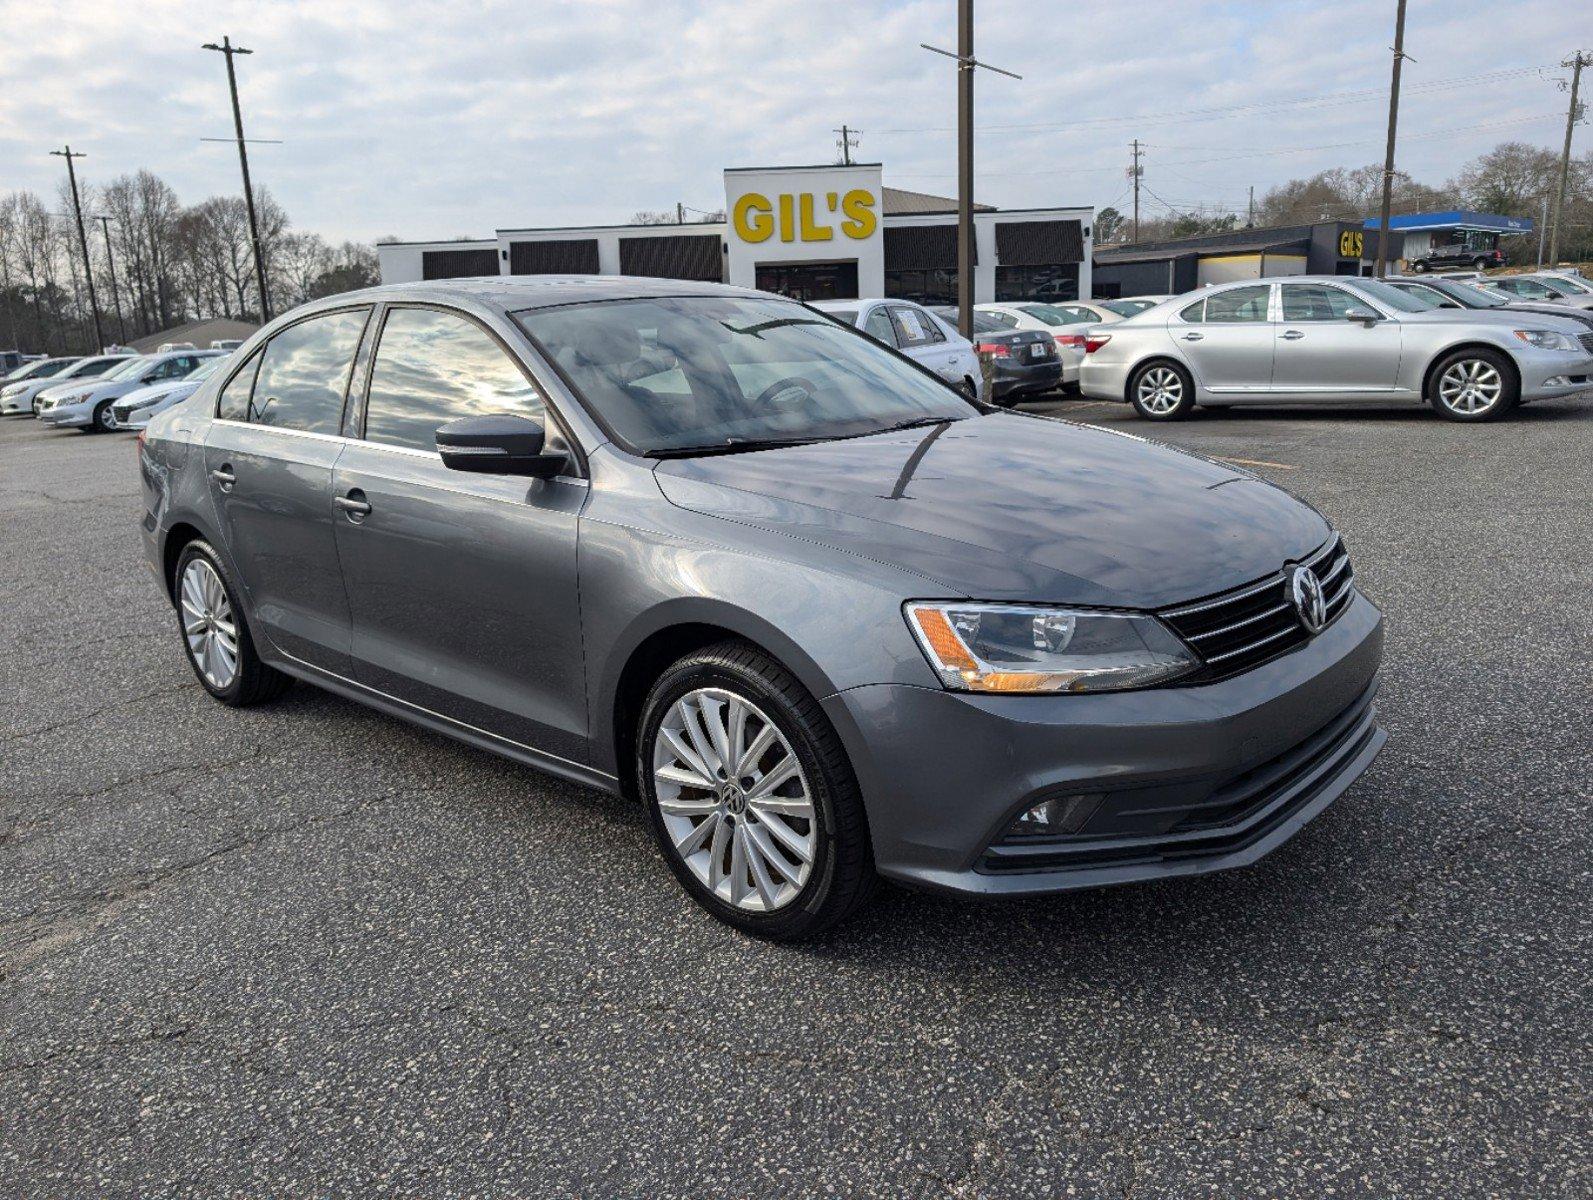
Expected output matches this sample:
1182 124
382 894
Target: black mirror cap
499 444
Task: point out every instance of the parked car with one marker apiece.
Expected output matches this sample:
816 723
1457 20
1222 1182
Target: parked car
827 620
1023 362
1544 288
1067 330
38 368
1479 251
23 397
226 343
1328 338
1445 292
134 410
87 406
1130 306
13 360
916 332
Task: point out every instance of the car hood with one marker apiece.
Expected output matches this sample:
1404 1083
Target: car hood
1497 317
1009 507
155 391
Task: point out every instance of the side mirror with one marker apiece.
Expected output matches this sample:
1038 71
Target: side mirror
1364 315
500 444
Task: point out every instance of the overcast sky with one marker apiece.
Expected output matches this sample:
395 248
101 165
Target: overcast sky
436 120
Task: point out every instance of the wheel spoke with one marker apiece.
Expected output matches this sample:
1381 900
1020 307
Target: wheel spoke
785 769
761 839
691 720
750 756
685 753
683 777
680 806
736 747
738 864
793 841
716 853
694 840
760 871
715 715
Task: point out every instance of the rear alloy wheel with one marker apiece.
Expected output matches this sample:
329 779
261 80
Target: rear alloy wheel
1473 385
104 419
215 634
1162 391
750 795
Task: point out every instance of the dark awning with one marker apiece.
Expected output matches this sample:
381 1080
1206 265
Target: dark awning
676 256
458 264
1039 243
922 248
560 257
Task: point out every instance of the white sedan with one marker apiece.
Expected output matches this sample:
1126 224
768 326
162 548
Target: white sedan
134 410
916 332
87 405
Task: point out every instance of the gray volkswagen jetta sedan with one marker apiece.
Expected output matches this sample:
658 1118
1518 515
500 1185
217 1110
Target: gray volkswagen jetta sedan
825 618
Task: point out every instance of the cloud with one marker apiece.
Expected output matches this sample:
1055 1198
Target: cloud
440 119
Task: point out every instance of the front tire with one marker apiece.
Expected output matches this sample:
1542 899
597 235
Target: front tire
1162 391
750 795
103 421
215 634
1473 385
1418 267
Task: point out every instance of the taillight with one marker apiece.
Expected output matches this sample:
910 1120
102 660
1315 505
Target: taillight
1075 340
993 349
1095 341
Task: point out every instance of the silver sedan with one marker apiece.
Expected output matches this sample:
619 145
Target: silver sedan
1309 339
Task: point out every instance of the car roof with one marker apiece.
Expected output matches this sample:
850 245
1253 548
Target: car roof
514 293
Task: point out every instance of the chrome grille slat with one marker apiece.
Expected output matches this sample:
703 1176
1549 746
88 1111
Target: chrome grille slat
1243 628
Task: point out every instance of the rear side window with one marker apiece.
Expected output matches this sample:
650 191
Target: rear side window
434 367
1195 313
878 326
915 328
233 403
304 374
995 321
1239 304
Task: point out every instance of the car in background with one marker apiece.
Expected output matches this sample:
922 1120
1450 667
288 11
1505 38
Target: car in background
226 343
87 406
1067 329
23 396
1548 289
39 368
1023 362
134 410
1472 250
1447 292
916 332
12 361
1311 339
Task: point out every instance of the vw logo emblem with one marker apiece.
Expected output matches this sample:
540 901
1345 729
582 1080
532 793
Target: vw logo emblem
1305 590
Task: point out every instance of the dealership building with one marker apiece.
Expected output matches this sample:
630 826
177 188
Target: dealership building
812 232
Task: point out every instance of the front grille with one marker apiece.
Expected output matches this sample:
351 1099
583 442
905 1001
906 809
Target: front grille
1244 628
1233 814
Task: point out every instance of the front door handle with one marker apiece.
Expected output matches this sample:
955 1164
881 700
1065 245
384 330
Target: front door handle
1193 337
1293 335
354 505
224 477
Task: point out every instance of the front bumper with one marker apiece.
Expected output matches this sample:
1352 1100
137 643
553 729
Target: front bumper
72 416
1546 373
10 405
1194 779
1013 379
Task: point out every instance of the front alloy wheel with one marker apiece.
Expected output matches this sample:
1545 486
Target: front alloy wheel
1473 385
208 624
734 801
750 794
104 418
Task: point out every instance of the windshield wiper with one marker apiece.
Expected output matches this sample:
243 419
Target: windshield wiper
732 446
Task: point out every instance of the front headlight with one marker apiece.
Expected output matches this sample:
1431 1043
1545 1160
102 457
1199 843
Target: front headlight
11 389
1547 339
1030 648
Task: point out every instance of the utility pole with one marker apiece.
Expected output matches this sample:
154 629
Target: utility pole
1576 62
110 262
680 213
966 65
1136 172
230 50
846 141
1381 269
1250 209
1543 229
82 240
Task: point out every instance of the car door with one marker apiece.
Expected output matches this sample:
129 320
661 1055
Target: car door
1320 351
269 454
462 586
1228 339
920 338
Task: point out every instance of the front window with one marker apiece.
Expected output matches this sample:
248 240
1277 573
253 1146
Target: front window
1314 302
711 373
130 369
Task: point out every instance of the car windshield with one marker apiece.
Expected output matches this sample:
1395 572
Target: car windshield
1125 308
1474 297
1554 285
129 369
713 373
91 367
1579 286
1392 297
1051 316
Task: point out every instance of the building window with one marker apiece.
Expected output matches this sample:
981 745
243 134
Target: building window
1046 284
922 286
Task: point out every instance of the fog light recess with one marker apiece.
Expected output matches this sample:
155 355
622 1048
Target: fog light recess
1059 815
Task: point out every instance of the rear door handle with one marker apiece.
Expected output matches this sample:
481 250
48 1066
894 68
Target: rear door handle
1293 335
1193 337
354 504
224 477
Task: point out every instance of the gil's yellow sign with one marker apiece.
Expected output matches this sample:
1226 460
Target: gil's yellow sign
794 216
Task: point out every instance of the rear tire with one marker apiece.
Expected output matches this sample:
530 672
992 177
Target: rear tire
788 866
1418 267
215 633
1473 385
1162 391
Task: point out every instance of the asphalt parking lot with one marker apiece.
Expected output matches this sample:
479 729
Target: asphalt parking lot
307 950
